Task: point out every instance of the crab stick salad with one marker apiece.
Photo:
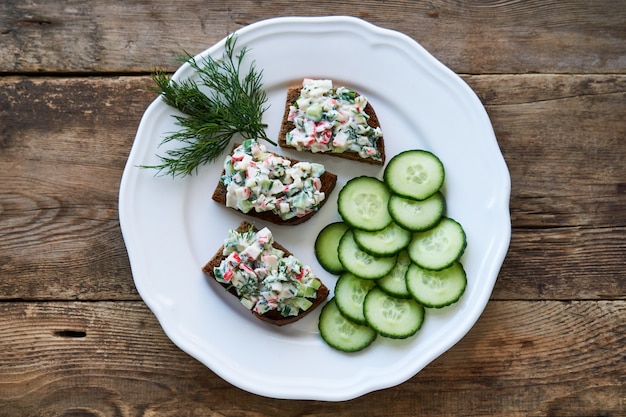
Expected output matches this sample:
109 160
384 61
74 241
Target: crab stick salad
259 180
264 278
332 119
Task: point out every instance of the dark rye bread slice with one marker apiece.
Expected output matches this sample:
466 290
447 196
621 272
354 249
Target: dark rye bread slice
273 317
293 93
329 180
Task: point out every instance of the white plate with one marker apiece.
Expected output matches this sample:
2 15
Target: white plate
172 227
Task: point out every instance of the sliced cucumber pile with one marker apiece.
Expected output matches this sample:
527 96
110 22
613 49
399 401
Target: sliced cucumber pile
396 251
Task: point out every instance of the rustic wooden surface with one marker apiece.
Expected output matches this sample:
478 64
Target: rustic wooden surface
75 337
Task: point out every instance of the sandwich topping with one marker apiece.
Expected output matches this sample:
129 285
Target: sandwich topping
329 119
259 180
264 278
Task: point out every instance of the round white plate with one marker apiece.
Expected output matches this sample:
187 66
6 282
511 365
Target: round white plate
171 227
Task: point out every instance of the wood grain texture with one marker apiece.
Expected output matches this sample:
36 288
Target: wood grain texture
471 37
63 147
77 340
563 139
112 358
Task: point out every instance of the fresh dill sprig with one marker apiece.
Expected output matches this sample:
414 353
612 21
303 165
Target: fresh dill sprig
222 104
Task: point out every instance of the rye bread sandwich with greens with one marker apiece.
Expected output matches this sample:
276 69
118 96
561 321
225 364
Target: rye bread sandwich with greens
268 280
337 121
271 187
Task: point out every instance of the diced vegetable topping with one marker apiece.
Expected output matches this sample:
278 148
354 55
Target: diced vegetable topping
259 180
264 278
332 119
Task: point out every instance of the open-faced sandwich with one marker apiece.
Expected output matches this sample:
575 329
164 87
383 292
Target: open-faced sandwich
268 280
271 187
334 120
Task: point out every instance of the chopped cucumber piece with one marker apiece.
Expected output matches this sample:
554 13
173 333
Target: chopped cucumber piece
394 283
315 111
414 174
439 247
350 293
362 203
342 333
436 288
306 291
247 302
302 303
392 317
360 263
326 246
315 284
389 241
417 215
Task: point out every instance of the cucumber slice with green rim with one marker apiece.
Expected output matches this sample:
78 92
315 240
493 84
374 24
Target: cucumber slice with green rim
341 333
360 263
417 215
394 283
389 241
362 203
414 174
392 317
350 293
436 288
439 247
326 246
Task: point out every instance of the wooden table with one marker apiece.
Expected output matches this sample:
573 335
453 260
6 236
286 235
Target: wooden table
76 338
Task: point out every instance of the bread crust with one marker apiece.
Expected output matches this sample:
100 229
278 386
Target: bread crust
329 180
293 93
273 317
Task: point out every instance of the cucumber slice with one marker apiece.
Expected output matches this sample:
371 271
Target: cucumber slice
436 288
360 263
392 317
394 283
362 203
326 246
417 215
341 333
350 293
389 241
439 247
414 174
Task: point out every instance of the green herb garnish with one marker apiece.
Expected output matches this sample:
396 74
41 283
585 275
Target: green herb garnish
222 104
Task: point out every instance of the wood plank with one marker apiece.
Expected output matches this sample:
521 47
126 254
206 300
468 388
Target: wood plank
554 36
60 169
564 263
563 139
62 158
522 358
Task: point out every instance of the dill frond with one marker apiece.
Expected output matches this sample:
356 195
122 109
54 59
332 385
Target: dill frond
233 104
